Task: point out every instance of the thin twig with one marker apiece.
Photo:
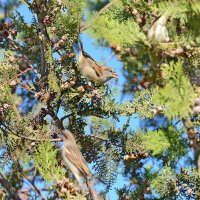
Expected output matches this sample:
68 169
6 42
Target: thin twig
99 138
27 88
36 189
37 139
29 138
104 140
7 185
22 72
99 13
109 58
57 121
20 169
18 75
64 117
43 62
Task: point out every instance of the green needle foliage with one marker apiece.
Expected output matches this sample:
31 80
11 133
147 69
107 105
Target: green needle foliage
150 139
47 163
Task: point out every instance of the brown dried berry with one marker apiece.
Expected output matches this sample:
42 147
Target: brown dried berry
135 79
118 49
197 101
135 12
146 84
14 32
139 87
64 38
47 20
126 157
119 57
191 133
113 46
54 40
196 110
71 55
61 42
5 34
10 25
57 46
13 83
53 29
160 109
189 191
81 89
139 20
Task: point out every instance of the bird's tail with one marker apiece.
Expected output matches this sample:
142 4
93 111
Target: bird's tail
82 52
93 193
81 45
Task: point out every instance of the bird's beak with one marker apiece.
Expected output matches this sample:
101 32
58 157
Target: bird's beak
114 75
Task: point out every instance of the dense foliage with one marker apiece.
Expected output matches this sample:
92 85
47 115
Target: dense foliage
43 91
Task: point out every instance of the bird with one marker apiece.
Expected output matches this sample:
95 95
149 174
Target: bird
74 159
158 31
93 71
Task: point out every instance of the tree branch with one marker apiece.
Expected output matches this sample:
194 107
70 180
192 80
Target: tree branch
6 184
99 13
33 185
57 121
29 138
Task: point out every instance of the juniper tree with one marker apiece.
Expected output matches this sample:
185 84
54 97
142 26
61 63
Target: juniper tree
40 78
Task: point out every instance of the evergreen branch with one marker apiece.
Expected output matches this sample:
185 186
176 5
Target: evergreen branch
29 181
7 185
105 140
33 185
57 121
17 76
65 117
22 72
43 62
99 138
99 13
37 139
29 138
17 47
192 137
27 88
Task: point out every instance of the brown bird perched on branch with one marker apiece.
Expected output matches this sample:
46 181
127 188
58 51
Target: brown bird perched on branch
75 161
92 71
158 31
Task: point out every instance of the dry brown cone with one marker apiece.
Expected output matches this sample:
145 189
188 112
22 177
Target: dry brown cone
67 188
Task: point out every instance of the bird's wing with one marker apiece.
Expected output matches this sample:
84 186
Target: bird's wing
109 69
97 68
74 155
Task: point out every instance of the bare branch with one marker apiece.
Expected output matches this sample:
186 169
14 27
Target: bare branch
109 58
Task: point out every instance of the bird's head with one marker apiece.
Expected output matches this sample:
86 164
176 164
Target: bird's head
109 73
65 134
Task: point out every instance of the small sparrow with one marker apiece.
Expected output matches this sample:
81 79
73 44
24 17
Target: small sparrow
92 71
158 31
75 161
